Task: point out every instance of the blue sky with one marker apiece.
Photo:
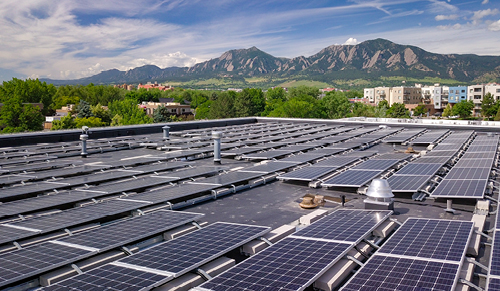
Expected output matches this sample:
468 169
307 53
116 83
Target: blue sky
67 39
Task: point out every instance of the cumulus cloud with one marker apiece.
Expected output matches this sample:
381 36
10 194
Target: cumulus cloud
480 14
485 2
351 41
494 26
177 59
446 17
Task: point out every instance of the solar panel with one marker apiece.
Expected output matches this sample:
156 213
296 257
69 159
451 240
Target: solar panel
407 183
127 231
267 155
303 158
396 156
376 165
493 284
337 161
468 173
23 263
495 257
169 259
430 238
474 163
270 167
482 148
344 225
439 153
15 191
484 155
129 185
419 169
183 191
307 173
432 160
352 178
229 178
392 273
291 264
460 189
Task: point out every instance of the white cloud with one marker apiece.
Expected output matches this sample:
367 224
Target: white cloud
454 26
351 41
485 2
494 26
480 14
446 17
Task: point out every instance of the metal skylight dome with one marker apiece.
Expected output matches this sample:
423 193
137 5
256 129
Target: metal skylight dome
379 189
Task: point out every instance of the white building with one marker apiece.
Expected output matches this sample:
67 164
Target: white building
369 93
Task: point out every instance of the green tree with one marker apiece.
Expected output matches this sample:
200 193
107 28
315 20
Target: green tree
361 109
351 94
83 109
18 117
60 101
488 106
420 110
202 111
398 110
66 122
28 91
250 102
127 112
89 121
302 106
274 98
383 103
497 116
223 107
447 112
161 114
303 90
336 105
101 113
463 109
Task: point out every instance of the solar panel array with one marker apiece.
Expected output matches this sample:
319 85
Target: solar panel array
364 172
416 174
469 176
297 261
423 254
161 263
24 263
430 136
404 135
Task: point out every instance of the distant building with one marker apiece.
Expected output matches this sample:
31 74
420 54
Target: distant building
160 87
125 86
405 95
173 108
369 93
457 94
382 93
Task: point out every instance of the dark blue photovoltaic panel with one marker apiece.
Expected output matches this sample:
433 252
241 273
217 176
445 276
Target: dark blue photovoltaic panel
345 225
109 277
307 173
460 188
419 169
493 284
468 173
430 238
495 255
352 178
407 183
392 273
291 264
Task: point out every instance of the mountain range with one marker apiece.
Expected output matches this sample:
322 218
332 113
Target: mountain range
371 60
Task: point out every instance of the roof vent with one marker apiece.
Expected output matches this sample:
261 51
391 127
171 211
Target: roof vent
379 195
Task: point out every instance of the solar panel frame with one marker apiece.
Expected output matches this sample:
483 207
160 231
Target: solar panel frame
228 179
307 173
270 167
474 163
468 174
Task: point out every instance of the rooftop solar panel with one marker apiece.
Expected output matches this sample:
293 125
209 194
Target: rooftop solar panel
169 259
468 173
407 183
430 238
302 158
392 273
482 148
229 178
292 264
307 173
270 167
352 178
474 163
173 193
396 156
344 225
440 153
460 189
432 160
268 155
484 155
129 185
495 255
376 165
493 284
337 161
419 169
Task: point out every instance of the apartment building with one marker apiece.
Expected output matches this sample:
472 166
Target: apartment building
406 95
457 94
369 93
493 89
382 93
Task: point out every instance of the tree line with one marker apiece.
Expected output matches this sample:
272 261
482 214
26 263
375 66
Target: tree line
105 105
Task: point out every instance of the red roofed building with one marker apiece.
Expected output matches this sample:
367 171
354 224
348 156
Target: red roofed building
161 87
